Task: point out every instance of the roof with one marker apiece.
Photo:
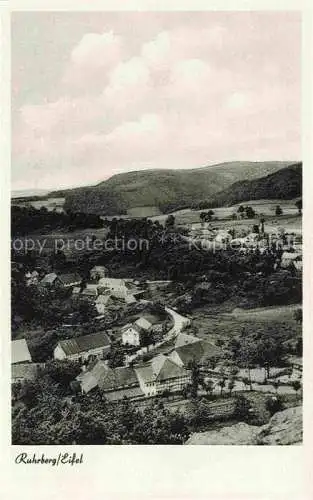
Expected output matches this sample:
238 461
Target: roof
291 256
107 282
27 371
184 338
20 351
91 290
159 369
143 323
76 289
108 379
130 299
189 352
99 268
103 299
49 279
70 278
85 343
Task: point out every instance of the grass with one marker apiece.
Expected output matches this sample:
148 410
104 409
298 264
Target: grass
224 325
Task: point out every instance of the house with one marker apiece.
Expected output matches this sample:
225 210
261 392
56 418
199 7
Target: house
195 352
90 292
102 302
98 272
114 383
23 371
49 280
20 352
69 280
83 348
161 374
132 333
119 288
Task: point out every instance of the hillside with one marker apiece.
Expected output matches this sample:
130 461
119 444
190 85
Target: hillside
165 189
285 184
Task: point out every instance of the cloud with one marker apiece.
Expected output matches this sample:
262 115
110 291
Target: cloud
181 98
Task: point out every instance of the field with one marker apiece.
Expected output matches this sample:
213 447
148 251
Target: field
222 216
49 203
71 243
224 325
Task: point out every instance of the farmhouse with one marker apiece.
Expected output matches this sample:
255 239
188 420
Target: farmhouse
20 352
115 383
119 288
90 291
161 374
49 280
69 280
83 348
198 352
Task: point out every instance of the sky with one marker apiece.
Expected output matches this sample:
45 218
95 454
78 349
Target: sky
96 94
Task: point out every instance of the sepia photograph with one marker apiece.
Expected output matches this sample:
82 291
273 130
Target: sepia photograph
156 228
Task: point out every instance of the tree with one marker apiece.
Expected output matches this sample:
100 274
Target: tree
247 382
170 221
262 221
231 385
222 383
242 407
278 211
276 385
299 206
241 209
208 386
274 404
296 384
250 213
297 315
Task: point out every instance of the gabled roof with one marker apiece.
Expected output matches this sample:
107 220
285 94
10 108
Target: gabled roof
159 369
20 351
49 279
108 282
108 379
84 343
90 290
143 323
184 339
190 352
70 278
99 268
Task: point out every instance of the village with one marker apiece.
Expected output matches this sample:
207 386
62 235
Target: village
158 348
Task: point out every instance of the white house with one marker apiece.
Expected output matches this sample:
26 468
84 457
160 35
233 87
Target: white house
162 374
132 333
83 348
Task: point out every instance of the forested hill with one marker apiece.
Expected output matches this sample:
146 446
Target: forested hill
285 184
165 189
